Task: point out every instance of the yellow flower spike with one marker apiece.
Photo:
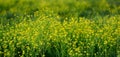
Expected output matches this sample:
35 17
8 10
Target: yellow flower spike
43 55
19 43
71 52
1 52
11 42
41 43
76 53
30 54
105 42
74 36
77 49
1 40
23 52
80 54
87 54
28 48
100 30
4 46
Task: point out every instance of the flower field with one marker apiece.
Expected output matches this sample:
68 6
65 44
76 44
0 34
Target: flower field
59 28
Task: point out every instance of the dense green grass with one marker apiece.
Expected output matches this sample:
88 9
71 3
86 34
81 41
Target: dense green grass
59 28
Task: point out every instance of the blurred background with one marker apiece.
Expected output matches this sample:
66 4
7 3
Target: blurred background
18 9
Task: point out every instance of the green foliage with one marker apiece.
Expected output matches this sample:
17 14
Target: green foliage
59 28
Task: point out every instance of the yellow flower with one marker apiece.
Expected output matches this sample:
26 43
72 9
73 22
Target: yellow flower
23 52
105 42
43 55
